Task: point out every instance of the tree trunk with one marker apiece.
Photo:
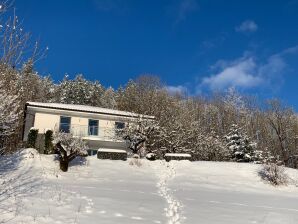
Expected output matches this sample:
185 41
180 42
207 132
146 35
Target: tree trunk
64 165
64 160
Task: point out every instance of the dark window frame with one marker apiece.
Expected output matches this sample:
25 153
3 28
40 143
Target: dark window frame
119 130
93 129
65 126
117 123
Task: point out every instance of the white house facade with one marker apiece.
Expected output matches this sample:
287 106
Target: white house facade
100 127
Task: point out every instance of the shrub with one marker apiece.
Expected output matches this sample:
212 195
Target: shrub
177 156
151 156
32 137
274 174
112 154
49 148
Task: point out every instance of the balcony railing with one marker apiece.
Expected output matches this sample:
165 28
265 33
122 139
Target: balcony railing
95 132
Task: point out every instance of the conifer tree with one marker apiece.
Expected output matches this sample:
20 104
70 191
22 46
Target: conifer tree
239 144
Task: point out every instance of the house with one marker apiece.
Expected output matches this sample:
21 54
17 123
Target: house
100 127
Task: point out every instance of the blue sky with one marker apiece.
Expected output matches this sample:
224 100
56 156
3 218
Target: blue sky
193 45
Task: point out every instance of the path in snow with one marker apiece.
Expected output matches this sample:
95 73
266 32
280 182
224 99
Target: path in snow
165 174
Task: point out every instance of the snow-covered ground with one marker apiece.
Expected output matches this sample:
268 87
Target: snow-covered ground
33 190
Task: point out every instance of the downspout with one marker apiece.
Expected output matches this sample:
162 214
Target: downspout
24 121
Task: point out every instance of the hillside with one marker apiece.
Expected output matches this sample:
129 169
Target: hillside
33 190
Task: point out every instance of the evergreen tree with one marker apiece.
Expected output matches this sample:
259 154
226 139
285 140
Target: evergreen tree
240 146
79 91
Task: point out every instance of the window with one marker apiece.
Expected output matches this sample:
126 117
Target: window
93 127
92 152
65 124
119 126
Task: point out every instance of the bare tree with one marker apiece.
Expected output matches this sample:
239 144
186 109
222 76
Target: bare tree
279 119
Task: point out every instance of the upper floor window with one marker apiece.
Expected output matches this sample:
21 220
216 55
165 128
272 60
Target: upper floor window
93 127
119 125
65 124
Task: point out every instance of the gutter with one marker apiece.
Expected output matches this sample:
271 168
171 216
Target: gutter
85 111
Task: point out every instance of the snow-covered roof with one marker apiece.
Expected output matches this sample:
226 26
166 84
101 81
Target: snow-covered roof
88 109
178 155
112 150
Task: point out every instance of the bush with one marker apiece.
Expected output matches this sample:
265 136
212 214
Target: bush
151 156
32 137
274 174
177 156
49 148
112 154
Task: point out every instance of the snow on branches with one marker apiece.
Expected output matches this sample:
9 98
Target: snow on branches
240 146
68 147
9 116
139 135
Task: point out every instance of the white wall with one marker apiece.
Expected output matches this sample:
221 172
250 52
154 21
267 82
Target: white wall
50 119
79 125
106 129
44 121
29 123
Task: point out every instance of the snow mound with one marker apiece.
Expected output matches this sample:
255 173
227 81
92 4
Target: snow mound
29 153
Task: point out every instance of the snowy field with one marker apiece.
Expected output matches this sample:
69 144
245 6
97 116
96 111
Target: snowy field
33 190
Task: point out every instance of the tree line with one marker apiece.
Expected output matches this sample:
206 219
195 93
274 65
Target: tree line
221 126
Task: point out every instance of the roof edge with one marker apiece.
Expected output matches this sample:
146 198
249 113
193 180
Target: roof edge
93 112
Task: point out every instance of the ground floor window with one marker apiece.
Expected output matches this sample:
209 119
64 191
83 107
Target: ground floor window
92 152
93 127
119 127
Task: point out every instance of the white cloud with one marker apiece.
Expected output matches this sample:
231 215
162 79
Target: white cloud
180 89
247 26
239 73
246 73
274 66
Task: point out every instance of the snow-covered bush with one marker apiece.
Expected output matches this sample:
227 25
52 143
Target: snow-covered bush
177 156
151 156
209 147
68 148
264 156
48 141
240 146
32 137
274 174
113 154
